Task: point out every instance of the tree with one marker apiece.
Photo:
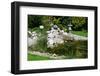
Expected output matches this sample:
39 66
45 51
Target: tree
34 21
79 22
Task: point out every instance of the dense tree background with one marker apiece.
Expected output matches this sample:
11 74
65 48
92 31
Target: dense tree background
79 23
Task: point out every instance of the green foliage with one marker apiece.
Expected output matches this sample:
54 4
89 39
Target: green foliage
73 49
46 20
79 22
65 20
41 44
56 20
34 21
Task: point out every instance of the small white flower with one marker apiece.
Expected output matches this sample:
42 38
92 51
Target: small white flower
41 27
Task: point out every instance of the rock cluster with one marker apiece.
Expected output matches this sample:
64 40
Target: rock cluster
32 38
55 36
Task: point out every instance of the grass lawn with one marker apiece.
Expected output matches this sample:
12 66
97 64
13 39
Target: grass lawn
81 33
32 57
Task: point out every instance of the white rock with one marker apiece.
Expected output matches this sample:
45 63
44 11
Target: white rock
65 33
30 42
33 39
29 32
54 37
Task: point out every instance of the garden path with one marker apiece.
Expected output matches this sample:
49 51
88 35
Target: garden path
52 56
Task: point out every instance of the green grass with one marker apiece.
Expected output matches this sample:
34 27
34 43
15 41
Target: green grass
81 33
32 57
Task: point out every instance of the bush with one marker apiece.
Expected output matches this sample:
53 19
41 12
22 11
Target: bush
41 44
72 49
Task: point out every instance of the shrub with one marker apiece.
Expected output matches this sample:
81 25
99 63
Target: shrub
72 49
41 44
